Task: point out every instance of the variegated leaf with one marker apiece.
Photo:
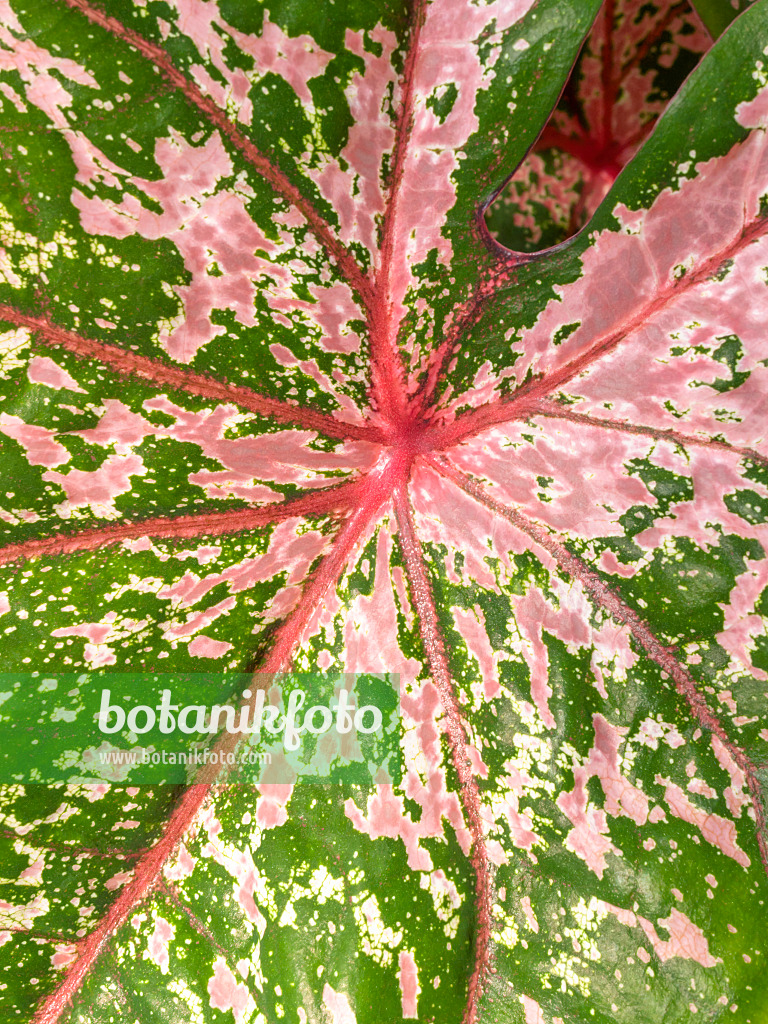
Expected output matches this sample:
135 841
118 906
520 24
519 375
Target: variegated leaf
636 57
273 397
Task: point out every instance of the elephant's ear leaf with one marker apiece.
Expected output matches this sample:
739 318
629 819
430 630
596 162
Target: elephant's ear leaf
273 397
635 59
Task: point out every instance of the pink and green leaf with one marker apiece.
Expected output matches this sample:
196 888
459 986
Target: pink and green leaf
274 398
635 59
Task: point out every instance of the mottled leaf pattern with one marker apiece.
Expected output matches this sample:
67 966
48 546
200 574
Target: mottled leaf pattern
635 59
274 396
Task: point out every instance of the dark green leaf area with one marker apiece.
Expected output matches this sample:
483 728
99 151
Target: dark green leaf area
362 579
24 495
169 464
668 489
35 201
729 353
25 974
755 471
442 104
330 102
751 506
680 589
327 25
408 908
760 657
77 856
372 880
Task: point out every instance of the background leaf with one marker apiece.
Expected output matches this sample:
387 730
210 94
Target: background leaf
635 59
718 14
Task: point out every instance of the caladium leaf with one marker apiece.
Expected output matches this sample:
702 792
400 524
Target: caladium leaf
635 59
273 397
